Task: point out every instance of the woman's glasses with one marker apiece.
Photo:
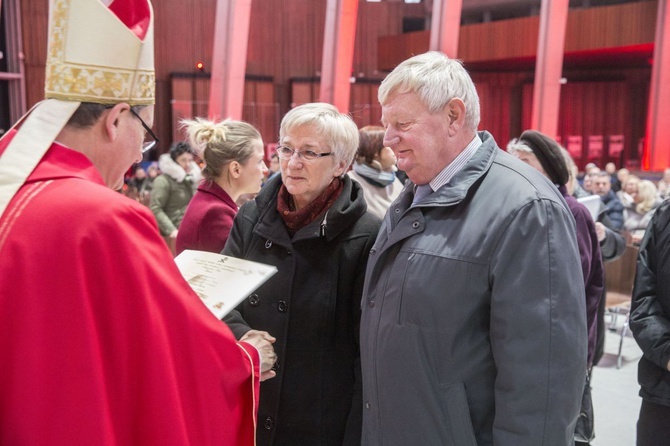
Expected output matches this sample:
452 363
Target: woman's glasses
287 153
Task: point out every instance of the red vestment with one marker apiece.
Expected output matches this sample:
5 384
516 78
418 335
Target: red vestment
101 340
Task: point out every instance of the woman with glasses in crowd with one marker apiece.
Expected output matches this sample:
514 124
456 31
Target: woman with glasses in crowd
311 223
233 155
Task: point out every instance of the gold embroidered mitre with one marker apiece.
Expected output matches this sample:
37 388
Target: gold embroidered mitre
101 54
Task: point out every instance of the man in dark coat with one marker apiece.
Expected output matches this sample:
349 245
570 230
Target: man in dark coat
650 324
473 328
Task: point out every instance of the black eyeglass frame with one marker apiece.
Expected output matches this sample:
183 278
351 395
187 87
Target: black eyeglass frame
150 144
306 155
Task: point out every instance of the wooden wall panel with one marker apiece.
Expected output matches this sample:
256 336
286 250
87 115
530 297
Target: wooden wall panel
500 103
590 106
590 28
611 26
285 42
35 18
490 41
365 109
190 98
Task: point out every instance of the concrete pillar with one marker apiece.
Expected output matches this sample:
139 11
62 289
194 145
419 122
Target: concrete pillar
229 58
656 152
549 66
445 26
338 53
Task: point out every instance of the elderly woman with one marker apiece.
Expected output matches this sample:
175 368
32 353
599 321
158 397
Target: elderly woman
628 191
312 224
374 169
233 155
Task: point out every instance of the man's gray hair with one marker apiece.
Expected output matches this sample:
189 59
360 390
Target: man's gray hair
435 79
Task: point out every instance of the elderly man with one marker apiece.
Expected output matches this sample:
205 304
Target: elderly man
103 342
602 186
473 328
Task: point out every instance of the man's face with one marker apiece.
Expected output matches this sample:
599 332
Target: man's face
127 146
420 140
601 185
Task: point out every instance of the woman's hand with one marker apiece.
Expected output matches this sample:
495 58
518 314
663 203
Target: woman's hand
263 341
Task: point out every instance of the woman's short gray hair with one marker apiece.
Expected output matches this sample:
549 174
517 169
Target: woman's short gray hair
435 79
337 129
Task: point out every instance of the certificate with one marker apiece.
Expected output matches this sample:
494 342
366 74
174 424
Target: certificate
222 282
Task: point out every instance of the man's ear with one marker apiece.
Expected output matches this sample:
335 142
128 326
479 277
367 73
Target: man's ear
112 119
456 113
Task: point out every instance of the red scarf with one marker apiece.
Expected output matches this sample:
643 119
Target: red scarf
296 220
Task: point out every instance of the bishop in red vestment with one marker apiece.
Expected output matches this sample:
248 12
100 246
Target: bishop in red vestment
102 342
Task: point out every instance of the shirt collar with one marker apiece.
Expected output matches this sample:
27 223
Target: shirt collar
456 165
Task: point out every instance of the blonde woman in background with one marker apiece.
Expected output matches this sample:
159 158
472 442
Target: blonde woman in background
628 191
234 166
638 216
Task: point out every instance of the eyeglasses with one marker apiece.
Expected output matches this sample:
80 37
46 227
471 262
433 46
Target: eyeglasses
286 153
146 145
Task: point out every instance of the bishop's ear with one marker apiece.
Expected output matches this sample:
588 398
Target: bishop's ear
113 118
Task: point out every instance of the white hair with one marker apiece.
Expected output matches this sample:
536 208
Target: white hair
515 146
337 129
435 79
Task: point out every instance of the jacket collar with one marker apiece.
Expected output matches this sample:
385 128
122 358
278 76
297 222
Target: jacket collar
348 208
211 187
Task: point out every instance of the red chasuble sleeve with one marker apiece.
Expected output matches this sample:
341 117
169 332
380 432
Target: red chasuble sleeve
103 342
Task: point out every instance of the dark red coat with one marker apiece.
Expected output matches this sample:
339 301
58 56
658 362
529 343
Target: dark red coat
208 219
592 265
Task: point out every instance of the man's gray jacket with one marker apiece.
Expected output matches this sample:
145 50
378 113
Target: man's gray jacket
473 329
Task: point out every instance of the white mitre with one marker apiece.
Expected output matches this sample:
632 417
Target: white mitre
98 52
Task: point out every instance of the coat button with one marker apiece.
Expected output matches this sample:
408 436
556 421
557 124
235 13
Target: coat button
289 252
268 244
367 405
282 306
268 423
254 300
416 224
371 304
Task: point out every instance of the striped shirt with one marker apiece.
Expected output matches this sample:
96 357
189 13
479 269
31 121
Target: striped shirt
457 164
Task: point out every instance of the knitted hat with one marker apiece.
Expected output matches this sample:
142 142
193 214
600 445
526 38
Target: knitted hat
548 153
